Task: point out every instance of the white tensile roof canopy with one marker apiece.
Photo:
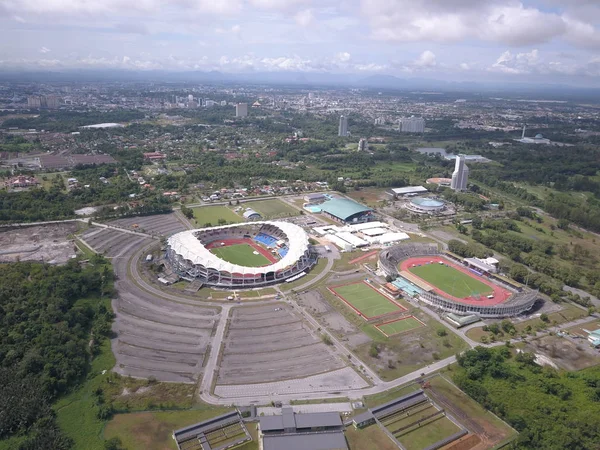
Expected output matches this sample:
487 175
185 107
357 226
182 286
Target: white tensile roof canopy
189 247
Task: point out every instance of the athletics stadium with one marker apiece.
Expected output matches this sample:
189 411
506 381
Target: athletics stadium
450 284
241 256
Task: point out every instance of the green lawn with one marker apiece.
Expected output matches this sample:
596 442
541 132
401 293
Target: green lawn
153 430
451 280
212 215
428 434
272 208
400 326
241 254
366 299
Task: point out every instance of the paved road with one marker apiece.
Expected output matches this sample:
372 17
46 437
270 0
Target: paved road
210 370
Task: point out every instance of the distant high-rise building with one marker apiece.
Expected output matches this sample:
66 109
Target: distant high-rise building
460 176
190 98
412 125
343 127
34 101
223 102
52 101
241 110
362 145
380 121
310 95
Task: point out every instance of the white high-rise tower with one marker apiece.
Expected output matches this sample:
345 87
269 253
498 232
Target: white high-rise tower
460 176
343 127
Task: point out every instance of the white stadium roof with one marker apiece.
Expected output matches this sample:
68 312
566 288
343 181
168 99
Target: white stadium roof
190 248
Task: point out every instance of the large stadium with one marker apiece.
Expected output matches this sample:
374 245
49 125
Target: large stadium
241 256
447 283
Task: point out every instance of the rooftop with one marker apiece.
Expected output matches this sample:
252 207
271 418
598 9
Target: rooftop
408 190
332 440
289 419
343 208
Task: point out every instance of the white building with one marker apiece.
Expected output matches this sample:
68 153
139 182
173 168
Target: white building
190 98
343 127
460 176
362 145
412 125
241 110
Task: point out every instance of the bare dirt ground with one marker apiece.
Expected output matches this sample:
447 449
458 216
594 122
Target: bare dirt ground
565 352
158 224
271 343
47 243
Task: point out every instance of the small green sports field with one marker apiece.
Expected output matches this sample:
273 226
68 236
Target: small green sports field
240 254
451 281
400 326
365 299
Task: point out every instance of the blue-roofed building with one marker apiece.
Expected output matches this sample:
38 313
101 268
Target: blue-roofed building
347 211
593 337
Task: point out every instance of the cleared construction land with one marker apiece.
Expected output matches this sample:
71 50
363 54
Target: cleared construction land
47 243
271 343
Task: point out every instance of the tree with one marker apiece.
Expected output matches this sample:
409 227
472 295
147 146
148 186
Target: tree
477 222
441 332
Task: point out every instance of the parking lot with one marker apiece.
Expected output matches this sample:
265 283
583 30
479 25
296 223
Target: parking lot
157 339
158 224
271 343
112 243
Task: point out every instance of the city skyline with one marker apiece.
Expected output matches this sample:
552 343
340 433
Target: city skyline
492 41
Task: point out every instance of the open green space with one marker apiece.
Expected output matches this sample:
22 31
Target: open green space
369 437
450 280
400 326
270 209
434 430
215 215
153 430
367 300
241 254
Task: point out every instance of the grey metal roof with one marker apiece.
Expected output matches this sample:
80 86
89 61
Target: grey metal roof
367 415
322 419
306 441
271 423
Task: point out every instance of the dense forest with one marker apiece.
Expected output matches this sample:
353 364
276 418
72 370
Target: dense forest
48 335
562 169
551 410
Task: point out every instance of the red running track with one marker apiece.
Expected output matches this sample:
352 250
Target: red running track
263 251
500 294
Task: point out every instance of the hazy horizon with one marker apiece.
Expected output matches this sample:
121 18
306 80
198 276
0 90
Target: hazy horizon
489 41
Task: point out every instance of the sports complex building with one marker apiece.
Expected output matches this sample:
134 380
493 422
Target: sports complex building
241 256
447 283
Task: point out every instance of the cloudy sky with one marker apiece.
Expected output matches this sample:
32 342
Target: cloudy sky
534 40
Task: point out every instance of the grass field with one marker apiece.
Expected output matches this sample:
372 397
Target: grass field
212 215
365 299
152 430
426 435
451 280
272 208
241 254
400 326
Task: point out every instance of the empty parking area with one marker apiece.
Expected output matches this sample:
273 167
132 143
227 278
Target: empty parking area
113 243
159 224
160 339
271 343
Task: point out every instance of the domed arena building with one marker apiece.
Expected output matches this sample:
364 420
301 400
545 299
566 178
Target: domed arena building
425 205
241 256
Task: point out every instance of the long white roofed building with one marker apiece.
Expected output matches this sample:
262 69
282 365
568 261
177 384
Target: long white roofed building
189 257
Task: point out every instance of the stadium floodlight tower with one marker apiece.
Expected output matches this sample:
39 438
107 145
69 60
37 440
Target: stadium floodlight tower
460 176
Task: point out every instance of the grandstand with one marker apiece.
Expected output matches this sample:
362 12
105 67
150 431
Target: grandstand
520 301
188 254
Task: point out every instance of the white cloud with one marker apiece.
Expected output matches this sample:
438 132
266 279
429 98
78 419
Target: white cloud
304 18
503 21
343 57
45 50
427 59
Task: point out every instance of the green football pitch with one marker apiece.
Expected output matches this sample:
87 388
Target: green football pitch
366 299
241 254
400 326
451 281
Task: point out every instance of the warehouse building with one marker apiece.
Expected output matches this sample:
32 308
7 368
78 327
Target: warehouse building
347 211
